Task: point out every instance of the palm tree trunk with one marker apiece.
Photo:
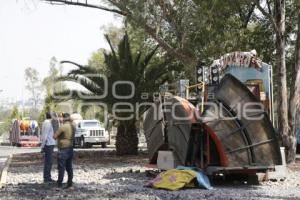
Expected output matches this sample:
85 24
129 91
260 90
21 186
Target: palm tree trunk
127 139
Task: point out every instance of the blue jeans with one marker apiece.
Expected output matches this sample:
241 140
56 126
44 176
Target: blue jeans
65 157
48 162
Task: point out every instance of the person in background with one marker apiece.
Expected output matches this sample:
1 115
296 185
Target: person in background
47 147
65 137
56 122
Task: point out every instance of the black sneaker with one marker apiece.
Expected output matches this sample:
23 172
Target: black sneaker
49 181
69 187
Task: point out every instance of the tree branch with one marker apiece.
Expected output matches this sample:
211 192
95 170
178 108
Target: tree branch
266 14
179 53
120 12
269 7
245 18
167 12
249 15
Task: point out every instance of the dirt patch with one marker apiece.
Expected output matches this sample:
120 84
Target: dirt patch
99 175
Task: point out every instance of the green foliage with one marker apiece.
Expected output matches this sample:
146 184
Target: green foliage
115 34
14 114
199 30
205 30
4 114
50 85
4 127
97 60
123 64
193 30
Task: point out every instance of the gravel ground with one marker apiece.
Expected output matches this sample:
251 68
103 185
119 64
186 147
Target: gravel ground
109 177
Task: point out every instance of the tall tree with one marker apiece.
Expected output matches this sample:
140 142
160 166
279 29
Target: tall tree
122 65
288 106
49 85
14 114
192 29
176 27
294 101
33 86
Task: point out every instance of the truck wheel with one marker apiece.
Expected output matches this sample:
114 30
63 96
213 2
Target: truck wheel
82 143
88 145
74 143
103 144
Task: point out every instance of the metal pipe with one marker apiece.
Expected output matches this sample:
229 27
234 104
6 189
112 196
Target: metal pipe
252 145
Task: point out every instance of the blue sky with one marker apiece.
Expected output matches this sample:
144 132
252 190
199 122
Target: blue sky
31 32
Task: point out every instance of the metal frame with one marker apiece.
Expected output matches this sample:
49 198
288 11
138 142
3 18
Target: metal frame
202 85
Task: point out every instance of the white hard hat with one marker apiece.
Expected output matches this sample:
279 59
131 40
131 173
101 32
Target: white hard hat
253 52
76 116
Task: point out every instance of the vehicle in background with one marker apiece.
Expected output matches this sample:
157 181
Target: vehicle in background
90 132
25 133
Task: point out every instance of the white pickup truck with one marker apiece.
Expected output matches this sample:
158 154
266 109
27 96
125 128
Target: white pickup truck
90 132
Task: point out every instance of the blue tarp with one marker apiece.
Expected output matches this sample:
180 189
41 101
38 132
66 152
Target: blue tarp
202 179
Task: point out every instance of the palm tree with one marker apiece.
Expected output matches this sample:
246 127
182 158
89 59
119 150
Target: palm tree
122 65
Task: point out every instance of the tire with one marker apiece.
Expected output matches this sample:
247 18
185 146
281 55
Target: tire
75 143
82 144
88 145
298 148
103 145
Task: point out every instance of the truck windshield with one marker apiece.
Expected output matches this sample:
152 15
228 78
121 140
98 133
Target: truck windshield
90 124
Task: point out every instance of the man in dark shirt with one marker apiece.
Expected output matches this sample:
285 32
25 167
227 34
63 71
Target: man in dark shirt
64 136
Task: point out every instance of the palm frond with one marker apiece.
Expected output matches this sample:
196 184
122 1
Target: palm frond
71 62
125 55
81 68
112 58
85 82
137 58
122 64
145 63
69 94
149 56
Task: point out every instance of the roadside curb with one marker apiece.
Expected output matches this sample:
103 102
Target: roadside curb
4 172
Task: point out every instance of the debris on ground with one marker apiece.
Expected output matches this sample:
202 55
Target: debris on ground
112 177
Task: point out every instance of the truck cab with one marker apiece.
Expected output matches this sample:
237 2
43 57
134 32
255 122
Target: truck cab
90 132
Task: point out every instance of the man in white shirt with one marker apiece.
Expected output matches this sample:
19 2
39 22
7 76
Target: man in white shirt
47 146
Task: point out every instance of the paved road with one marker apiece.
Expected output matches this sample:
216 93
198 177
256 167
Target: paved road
8 150
2 162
